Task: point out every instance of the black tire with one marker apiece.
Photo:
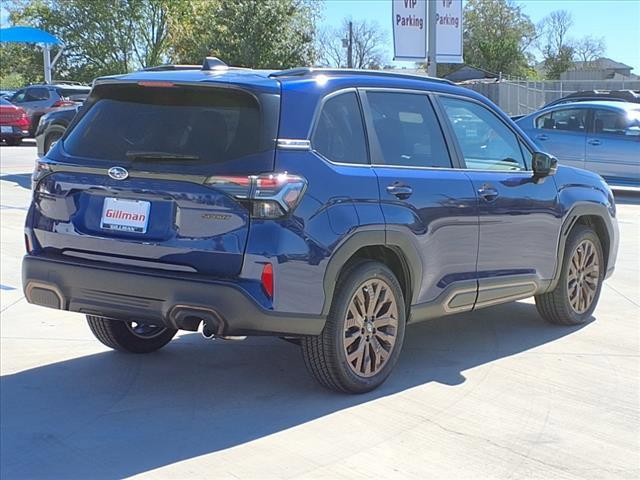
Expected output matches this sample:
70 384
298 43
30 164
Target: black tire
52 137
325 355
555 306
13 142
119 335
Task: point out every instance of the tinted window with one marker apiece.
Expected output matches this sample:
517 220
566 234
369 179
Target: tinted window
35 94
339 134
210 124
18 97
408 130
611 122
487 143
76 93
571 120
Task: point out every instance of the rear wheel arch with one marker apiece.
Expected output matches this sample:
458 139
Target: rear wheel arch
397 253
390 256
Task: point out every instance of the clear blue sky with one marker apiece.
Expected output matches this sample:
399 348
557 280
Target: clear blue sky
618 21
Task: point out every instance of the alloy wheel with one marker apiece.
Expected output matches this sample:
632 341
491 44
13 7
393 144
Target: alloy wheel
583 276
370 327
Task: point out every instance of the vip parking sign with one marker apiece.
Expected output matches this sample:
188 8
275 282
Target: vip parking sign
410 29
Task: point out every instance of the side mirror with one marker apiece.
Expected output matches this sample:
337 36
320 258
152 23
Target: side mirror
544 165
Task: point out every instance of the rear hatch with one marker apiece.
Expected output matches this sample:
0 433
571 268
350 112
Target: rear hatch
135 179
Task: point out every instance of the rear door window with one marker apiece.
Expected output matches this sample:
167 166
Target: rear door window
407 129
568 120
339 134
211 125
610 122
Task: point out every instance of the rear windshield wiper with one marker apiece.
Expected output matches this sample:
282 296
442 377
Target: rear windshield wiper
150 155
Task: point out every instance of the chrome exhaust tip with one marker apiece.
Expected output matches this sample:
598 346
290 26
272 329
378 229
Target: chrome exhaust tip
207 331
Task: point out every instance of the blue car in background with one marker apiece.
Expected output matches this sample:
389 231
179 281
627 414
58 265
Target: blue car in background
601 136
334 206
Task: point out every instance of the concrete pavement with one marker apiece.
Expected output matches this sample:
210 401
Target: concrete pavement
493 394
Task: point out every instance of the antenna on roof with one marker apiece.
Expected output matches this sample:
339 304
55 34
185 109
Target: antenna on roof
213 63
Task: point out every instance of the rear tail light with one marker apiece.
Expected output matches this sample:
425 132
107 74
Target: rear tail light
23 122
267 196
267 280
63 102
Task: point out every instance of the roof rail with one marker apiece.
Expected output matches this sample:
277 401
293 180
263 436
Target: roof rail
306 71
60 82
165 67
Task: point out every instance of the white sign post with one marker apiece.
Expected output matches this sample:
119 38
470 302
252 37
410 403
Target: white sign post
411 25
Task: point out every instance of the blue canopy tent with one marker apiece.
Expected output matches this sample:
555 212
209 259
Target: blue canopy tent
34 35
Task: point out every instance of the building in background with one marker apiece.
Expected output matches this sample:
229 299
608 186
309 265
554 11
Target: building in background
600 69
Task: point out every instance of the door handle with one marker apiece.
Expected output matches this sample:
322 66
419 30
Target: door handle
399 190
488 193
542 136
594 141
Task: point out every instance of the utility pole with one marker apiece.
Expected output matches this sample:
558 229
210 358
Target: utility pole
350 47
432 65
47 63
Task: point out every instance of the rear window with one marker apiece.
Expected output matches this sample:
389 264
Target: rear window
36 94
208 124
73 92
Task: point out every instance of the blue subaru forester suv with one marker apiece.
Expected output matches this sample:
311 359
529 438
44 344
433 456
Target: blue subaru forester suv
328 207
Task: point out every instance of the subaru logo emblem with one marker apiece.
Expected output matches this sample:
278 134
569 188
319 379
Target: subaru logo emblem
118 173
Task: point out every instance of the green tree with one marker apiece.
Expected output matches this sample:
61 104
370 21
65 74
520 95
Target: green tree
104 37
262 34
557 50
497 36
101 37
19 62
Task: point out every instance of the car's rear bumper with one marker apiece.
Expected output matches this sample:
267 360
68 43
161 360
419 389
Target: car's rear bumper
16 132
171 300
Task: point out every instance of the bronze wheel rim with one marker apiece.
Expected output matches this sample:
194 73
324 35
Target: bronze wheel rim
583 276
370 327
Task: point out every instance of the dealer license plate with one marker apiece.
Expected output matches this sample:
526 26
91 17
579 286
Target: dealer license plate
125 215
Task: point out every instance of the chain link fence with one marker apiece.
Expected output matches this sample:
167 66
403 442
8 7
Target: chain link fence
521 97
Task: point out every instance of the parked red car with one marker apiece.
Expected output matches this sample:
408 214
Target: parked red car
14 123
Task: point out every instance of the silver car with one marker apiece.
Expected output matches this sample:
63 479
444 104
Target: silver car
600 136
40 99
